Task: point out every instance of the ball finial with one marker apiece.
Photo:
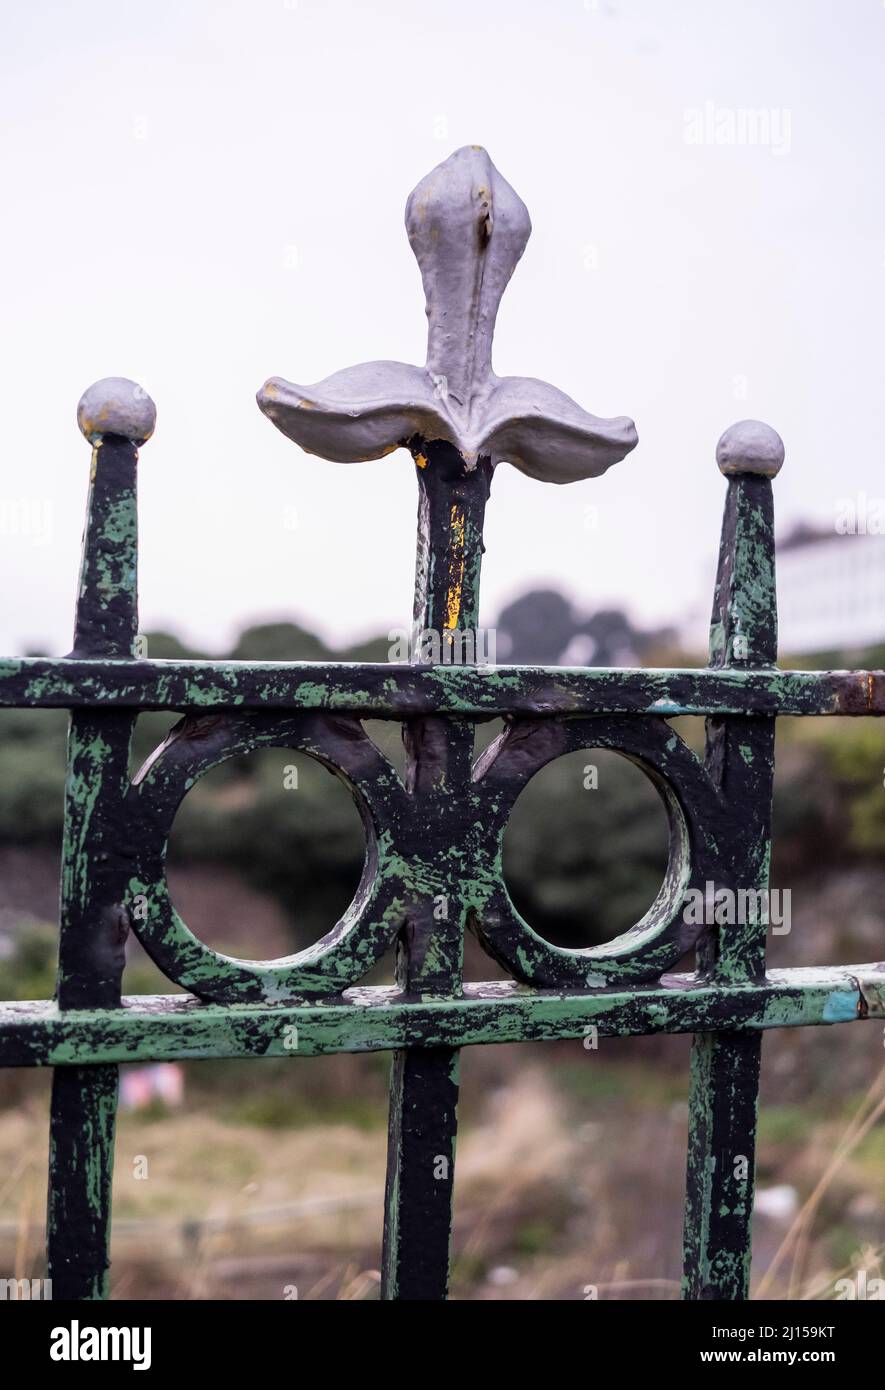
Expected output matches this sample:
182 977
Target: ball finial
116 405
750 447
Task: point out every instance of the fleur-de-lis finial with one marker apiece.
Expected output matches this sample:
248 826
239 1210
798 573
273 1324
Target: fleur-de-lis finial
468 229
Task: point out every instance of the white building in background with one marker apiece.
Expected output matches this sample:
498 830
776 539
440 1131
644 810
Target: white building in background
830 591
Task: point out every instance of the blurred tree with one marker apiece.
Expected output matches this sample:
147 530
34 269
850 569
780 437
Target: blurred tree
580 864
584 856
536 628
280 642
542 628
165 646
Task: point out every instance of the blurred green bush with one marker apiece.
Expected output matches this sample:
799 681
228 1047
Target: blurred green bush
581 863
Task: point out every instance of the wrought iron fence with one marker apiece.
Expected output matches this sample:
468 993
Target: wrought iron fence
433 840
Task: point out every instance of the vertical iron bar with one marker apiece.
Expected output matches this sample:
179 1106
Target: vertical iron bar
93 917
724 1087
724 1083
424 1081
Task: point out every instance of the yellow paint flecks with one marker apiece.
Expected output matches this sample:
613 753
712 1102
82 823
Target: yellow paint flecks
455 591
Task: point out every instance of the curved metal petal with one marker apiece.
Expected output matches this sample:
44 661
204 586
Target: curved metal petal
468 229
547 435
359 413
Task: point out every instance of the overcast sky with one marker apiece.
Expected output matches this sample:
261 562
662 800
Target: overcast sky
201 195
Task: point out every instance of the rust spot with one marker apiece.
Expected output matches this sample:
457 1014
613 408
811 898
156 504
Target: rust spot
870 995
863 1007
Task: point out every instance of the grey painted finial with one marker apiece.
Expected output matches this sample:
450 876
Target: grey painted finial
116 405
468 229
750 446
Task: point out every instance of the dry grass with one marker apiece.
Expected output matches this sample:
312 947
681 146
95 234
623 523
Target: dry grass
570 1178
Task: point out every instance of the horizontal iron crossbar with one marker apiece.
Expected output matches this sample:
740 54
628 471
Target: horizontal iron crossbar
399 691
166 1027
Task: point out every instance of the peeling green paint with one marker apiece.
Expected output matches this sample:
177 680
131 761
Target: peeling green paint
435 835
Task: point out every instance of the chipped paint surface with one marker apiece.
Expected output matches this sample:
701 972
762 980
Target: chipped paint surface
380 1018
437 834
392 692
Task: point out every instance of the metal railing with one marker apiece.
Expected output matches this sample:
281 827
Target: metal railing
433 840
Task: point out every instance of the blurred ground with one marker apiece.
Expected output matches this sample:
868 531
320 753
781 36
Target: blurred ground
570 1174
